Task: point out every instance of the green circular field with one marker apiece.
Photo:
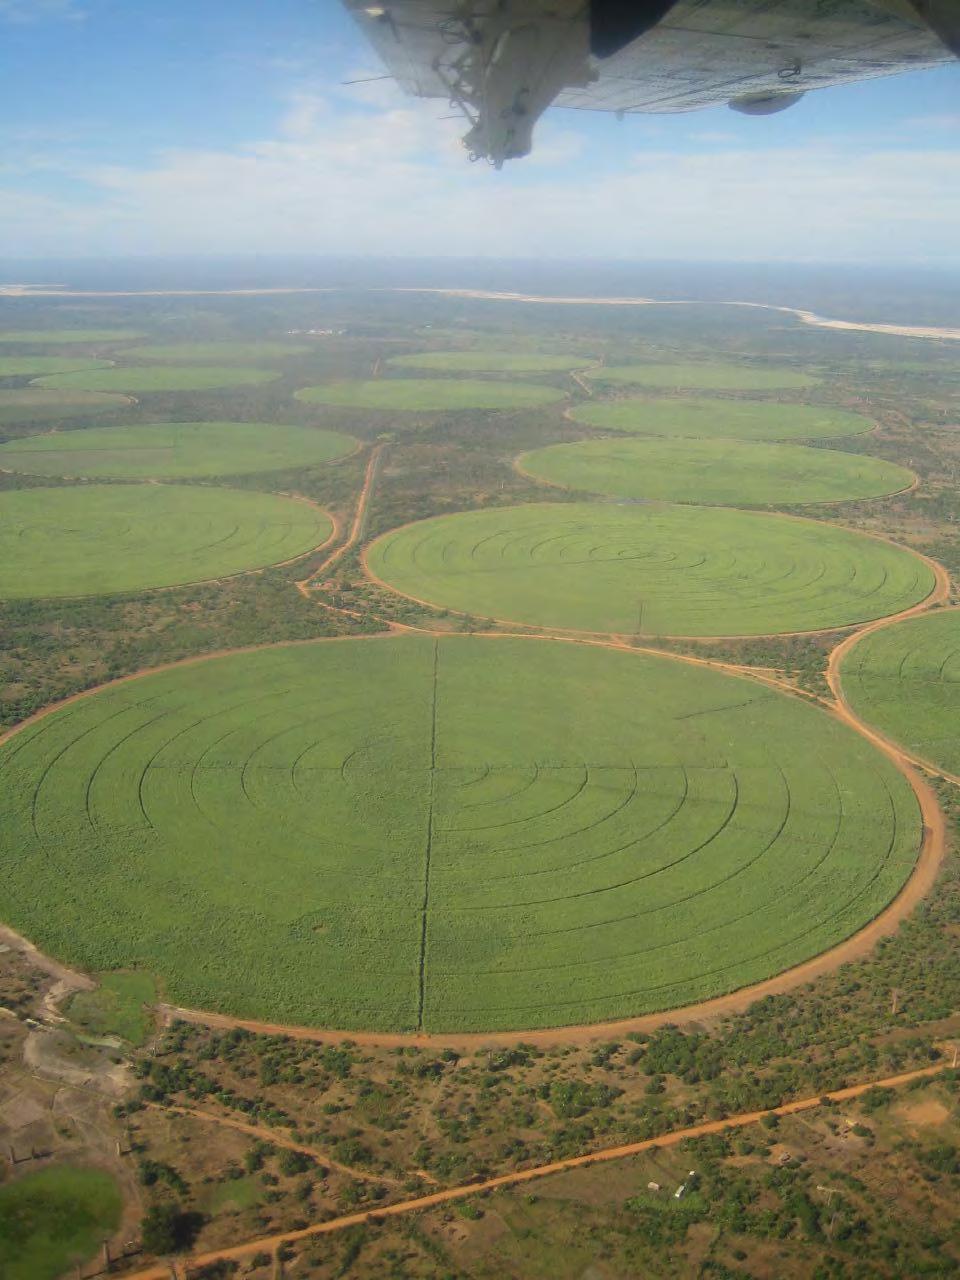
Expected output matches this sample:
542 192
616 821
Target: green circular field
647 569
31 404
173 450
720 472
27 366
55 1217
161 378
707 377
456 834
427 395
905 679
702 419
61 337
216 351
490 361
101 539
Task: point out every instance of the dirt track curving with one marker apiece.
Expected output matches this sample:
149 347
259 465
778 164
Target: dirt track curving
269 1244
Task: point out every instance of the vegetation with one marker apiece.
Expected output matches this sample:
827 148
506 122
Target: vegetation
704 419
295 833
63 337
30 404
905 680
174 450
54 1218
483 361
708 377
722 472
649 570
162 378
118 1006
217 351
430 395
98 539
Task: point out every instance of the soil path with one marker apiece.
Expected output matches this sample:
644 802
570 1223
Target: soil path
271 1136
356 529
269 1244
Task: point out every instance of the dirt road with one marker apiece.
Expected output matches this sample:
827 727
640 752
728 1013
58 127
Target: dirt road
269 1244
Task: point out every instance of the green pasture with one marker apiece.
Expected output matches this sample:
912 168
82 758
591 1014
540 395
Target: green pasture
31 404
214 352
118 1006
707 376
480 361
55 1218
159 378
173 450
649 569
27 366
102 539
905 680
721 472
62 337
427 395
703 419
548 833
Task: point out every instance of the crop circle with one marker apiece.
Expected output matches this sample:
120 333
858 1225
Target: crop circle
98 539
723 472
430 395
28 366
447 834
214 352
480 361
137 378
905 680
173 450
706 377
33 404
733 419
649 570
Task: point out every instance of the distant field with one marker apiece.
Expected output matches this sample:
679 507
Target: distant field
173 450
548 833
490 361
61 337
740 419
905 679
96 539
161 378
708 377
656 570
30 404
27 366
215 351
722 472
53 1217
428 394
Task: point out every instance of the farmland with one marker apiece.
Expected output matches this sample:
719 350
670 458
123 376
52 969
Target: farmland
652 570
30 404
905 679
51 1219
174 450
427 395
722 472
28 366
94 540
454 833
160 378
66 337
705 377
704 418
214 352
481 361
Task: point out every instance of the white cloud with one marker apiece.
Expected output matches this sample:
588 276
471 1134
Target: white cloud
354 179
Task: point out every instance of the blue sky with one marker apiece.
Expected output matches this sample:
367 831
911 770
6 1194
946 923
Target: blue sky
224 126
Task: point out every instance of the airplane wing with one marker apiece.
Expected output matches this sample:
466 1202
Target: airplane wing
503 62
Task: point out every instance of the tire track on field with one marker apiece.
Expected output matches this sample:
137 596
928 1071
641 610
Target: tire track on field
270 1244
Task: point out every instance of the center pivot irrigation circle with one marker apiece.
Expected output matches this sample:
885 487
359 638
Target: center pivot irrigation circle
446 834
649 570
99 539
